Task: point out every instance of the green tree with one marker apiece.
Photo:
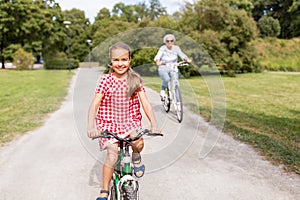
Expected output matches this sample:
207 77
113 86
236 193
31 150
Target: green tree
268 26
110 27
156 9
294 27
235 30
125 12
246 5
211 41
79 33
25 22
142 11
165 21
286 11
103 14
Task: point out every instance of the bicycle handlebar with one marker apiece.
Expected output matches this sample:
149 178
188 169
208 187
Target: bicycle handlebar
182 63
178 64
108 134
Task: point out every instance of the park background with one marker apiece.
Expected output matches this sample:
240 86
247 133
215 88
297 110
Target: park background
248 42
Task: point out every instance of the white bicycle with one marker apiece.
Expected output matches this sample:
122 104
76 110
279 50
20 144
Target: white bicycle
173 94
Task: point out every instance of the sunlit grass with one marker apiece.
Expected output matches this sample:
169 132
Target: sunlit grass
261 109
26 97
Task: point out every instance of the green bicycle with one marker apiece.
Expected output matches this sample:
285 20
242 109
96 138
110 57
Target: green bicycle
124 186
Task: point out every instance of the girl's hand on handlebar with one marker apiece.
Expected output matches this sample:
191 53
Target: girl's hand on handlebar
156 130
91 133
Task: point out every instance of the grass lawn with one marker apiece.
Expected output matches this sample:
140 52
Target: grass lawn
26 97
261 109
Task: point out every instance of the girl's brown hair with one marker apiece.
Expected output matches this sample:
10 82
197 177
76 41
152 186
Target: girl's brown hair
134 80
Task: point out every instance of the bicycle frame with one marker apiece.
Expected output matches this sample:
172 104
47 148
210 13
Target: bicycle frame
123 172
173 83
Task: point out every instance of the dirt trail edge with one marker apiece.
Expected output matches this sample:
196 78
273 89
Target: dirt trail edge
57 161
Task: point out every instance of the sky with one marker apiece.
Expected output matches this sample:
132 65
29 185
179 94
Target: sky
92 7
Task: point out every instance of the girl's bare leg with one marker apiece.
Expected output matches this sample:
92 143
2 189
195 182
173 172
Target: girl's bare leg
137 147
108 167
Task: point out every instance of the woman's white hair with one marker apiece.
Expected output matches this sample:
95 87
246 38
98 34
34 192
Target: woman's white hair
169 37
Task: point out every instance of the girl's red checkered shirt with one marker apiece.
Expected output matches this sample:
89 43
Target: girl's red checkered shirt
117 112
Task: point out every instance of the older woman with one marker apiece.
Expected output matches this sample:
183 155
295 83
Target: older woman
166 54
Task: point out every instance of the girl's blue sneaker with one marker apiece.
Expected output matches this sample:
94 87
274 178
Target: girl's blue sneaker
103 198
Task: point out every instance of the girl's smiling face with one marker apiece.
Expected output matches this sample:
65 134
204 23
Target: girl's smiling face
120 61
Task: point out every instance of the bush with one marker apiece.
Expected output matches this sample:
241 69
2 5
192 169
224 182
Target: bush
59 60
61 64
142 61
54 55
268 26
22 59
9 51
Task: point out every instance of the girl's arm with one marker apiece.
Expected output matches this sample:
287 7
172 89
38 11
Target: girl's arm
91 130
148 110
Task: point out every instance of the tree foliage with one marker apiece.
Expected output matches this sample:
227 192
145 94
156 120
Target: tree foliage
286 11
156 9
27 23
268 26
225 28
224 31
78 33
246 5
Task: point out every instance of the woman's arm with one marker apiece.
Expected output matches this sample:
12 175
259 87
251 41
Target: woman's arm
91 130
158 56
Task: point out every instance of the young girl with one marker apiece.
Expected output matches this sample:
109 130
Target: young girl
116 108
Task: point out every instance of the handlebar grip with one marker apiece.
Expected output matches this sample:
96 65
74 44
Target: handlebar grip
96 137
155 134
103 134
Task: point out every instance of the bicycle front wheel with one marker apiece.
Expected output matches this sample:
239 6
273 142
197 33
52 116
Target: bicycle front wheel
113 193
167 101
130 191
178 104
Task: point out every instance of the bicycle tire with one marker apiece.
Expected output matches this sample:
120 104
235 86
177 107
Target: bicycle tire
167 101
129 193
178 104
113 194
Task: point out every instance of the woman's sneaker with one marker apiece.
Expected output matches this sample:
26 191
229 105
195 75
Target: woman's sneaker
162 95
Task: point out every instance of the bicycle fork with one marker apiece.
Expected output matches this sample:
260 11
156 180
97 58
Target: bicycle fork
126 186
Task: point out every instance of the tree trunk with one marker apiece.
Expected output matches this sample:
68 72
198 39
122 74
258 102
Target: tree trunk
2 57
